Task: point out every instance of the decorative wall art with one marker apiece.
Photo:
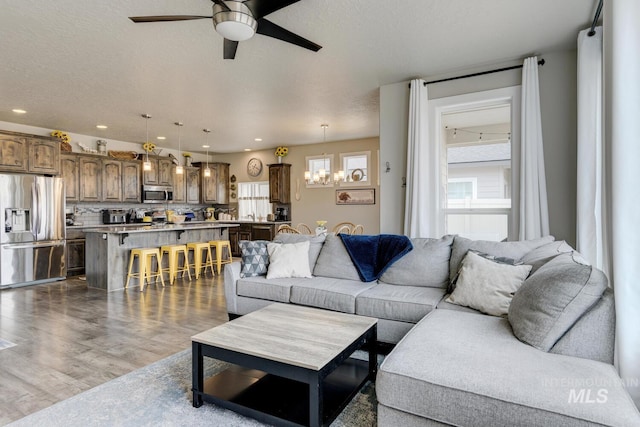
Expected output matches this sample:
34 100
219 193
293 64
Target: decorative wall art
364 196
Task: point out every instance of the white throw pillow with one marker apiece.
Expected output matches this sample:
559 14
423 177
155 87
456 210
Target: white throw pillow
288 260
486 285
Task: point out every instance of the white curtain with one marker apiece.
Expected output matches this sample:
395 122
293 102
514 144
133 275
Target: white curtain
591 233
253 199
421 207
534 214
623 93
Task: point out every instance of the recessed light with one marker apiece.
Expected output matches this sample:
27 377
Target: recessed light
205 146
258 139
19 111
101 126
247 149
161 138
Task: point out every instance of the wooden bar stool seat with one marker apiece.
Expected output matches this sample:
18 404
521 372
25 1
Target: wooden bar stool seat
173 254
219 246
145 266
198 264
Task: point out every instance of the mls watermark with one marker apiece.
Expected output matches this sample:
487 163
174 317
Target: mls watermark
589 390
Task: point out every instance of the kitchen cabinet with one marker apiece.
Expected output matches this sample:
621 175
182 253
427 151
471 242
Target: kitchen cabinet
13 153
90 179
179 187
75 257
70 173
111 181
242 232
280 183
251 231
131 187
263 232
215 188
44 156
161 172
192 184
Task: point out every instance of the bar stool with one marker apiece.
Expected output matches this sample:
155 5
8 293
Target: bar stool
219 245
197 248
173 254
145 270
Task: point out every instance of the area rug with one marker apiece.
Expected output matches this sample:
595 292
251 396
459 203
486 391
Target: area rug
5 344
159 395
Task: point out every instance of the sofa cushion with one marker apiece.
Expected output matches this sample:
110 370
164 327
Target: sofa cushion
288 260
255 258
545 253
487 285
334 260
426 265
402 303
515 250
468 369
315 244
445 305
329 293
550 301
263 288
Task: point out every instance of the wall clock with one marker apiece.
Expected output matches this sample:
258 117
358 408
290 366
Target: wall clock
254 167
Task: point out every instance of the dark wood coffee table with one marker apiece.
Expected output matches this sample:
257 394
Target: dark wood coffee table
291 364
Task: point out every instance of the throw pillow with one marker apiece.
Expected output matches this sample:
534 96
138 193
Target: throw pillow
515 250
487 285
545 253
334 260
552 300
426 265
255 258
288 260
315 243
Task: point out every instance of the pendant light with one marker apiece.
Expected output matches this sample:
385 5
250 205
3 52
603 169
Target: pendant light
207 171
323 176
146 165
179 167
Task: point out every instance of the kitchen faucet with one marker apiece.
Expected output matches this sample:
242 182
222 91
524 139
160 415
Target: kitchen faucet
252 216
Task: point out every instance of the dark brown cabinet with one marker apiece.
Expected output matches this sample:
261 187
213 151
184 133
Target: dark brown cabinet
75 257
280 183
13 153
251 231
192 184
44 156
70 173
131 181
112 181
90 179
215 188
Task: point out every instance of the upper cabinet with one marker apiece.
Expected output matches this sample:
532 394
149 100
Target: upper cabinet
161 172
28 153
112 181
215 188
131 186
90 179
44 156
280 183
192 184
69 168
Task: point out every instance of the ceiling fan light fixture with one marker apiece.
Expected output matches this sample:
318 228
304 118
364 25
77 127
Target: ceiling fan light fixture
237 25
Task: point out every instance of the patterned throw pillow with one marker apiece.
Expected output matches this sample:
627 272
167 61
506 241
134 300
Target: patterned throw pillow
255 258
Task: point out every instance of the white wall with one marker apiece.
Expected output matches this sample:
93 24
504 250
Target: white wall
558 105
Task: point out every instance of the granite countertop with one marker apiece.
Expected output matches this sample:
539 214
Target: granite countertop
152 228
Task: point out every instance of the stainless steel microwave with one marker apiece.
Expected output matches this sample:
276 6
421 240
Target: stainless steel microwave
157 193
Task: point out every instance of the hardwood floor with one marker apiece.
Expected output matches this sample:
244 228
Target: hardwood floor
70 338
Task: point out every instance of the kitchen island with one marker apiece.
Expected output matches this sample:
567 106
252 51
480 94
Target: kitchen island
107 248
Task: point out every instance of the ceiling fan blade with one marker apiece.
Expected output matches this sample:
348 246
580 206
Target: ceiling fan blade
230 48
222 5
139 19
268 28
261 8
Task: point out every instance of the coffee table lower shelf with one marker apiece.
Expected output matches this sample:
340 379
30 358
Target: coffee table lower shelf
282 401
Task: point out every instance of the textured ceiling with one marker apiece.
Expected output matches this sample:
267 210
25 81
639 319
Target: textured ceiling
74 64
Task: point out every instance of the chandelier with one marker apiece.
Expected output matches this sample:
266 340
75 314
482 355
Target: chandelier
323 176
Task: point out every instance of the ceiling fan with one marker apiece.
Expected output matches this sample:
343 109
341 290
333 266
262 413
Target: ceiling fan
237 20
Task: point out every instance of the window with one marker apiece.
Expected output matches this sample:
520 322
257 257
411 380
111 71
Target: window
320 171
253 200
356 168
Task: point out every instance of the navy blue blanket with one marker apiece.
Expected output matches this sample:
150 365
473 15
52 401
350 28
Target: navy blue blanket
372 255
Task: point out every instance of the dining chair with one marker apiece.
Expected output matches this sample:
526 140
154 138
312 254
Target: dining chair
304 228
285 228
343 227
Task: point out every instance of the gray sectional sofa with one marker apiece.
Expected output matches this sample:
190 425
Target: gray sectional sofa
547 362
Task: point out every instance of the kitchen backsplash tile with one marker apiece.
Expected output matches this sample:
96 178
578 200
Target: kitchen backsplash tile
92 215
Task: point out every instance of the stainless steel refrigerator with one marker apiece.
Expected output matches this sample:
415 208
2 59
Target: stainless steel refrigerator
32 240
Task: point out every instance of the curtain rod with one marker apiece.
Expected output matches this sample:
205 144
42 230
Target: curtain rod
541 62
595 20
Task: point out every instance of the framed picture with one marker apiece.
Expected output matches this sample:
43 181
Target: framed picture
364 196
